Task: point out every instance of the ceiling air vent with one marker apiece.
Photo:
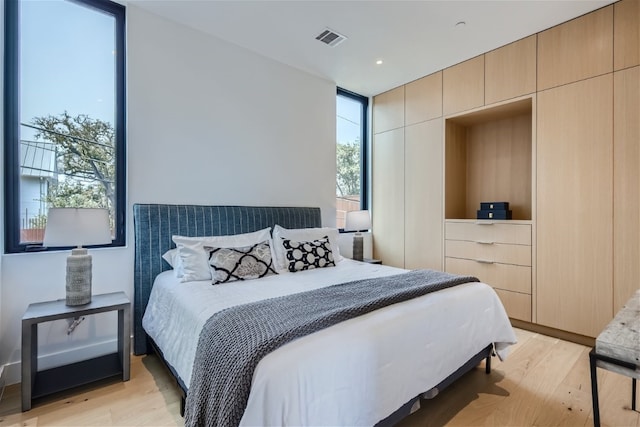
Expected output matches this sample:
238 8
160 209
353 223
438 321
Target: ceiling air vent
330 37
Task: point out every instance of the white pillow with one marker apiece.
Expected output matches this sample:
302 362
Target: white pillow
302 235
173 259
195 265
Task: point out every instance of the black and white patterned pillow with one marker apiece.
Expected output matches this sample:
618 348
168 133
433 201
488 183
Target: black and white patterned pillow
308 255
244 263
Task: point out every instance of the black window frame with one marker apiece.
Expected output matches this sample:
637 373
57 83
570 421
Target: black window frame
12 125
364 145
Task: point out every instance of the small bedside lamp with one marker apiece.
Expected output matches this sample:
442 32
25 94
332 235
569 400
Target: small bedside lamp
77 227
357 221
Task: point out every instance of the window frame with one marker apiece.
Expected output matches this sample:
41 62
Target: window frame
12 125
364 145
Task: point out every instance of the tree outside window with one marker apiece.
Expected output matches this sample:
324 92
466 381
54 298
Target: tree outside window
350 159
64 115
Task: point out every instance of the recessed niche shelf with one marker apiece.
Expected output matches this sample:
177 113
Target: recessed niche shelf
488 157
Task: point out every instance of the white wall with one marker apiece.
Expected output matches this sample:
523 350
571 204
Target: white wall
208 123
247 129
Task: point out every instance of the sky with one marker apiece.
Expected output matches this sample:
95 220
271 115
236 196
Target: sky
67 60
348 119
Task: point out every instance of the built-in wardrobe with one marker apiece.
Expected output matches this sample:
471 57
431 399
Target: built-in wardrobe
549 123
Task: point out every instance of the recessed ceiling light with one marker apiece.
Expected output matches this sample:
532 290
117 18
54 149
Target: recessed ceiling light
379 62
460 24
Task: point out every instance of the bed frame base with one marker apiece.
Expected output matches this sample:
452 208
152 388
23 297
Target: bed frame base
404 411
181 388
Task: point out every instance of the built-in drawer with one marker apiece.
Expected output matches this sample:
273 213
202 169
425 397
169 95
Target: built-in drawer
517 305
489 232
494 252
508 277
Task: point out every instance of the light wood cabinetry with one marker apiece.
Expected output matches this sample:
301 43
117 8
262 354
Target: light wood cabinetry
550 124
388 201
517 305
498 253
388 110
509 232
423 99
626 34
500 275
488 157
423 195
626 184
481 250
575 206
576 50
463 86
510 71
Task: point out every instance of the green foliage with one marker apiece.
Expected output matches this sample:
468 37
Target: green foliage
75 194
348 169
85 155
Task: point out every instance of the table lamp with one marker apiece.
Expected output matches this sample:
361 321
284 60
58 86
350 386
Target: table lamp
77 227
357 221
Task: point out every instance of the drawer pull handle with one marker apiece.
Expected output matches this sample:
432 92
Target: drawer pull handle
484 223
484 261
484 243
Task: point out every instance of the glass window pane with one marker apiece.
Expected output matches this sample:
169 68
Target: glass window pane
67 80
348 156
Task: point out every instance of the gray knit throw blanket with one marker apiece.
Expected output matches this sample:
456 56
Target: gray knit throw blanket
234 340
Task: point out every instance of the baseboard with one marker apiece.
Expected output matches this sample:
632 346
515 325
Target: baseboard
556 333
12 374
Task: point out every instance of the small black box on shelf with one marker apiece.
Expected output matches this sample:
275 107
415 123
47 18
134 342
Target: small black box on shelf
494 214
486 206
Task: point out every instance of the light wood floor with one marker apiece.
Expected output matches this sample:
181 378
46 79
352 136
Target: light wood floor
544 382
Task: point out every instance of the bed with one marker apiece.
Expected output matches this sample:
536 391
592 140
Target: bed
369 370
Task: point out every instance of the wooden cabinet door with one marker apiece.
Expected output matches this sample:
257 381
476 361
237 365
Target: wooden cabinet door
576 50
510 70
575 206
423 99
463 86
626 34
423 195
388 110
388 197
626 185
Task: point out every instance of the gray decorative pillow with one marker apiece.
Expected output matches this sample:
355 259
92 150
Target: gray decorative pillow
308 255
244 263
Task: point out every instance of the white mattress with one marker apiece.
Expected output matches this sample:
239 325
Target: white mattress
354 373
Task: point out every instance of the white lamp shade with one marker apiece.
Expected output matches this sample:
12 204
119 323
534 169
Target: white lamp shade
357 220
77 227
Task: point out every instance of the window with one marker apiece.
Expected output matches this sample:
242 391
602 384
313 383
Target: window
64 114
351 154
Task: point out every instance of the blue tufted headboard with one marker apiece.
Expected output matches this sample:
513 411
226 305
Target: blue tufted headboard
155 224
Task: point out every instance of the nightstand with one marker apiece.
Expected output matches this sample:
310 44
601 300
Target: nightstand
371 261
36 383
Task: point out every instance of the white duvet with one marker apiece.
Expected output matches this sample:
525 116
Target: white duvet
354 373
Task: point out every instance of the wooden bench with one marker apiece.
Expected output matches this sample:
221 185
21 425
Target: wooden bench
618 349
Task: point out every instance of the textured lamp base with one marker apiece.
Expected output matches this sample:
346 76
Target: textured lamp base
358 251
78 277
